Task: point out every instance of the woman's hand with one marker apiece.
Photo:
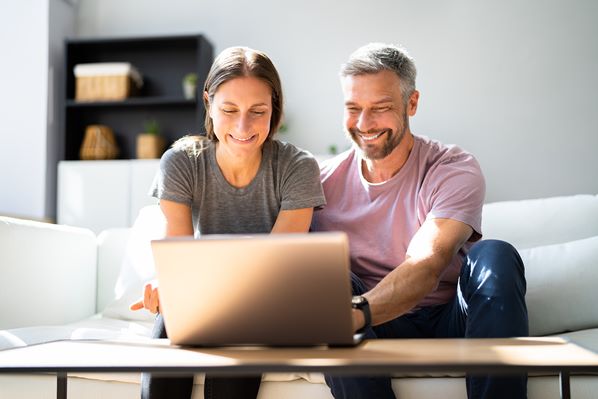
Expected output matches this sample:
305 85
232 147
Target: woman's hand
150 301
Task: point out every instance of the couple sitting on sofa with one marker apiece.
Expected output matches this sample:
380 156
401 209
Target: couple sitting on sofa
410 206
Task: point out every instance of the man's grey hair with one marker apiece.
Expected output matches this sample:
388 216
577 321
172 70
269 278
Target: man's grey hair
377 57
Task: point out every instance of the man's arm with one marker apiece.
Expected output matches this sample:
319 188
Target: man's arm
430 252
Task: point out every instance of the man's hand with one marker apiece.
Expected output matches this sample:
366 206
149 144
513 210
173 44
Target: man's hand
150 300
358 319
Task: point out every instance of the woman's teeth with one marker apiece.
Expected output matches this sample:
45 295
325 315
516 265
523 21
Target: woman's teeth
240 139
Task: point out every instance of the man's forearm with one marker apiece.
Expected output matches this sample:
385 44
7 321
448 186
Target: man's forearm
402 289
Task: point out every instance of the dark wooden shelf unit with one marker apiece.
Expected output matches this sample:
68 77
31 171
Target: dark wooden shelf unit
163 61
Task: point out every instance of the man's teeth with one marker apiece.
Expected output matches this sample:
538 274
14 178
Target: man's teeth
370 138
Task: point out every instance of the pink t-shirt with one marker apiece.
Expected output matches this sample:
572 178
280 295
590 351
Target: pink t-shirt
437 181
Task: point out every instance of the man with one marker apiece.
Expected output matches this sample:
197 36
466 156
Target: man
412 209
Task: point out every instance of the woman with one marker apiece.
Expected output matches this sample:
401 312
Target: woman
238 180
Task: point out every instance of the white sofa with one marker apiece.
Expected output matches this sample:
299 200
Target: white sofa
63 282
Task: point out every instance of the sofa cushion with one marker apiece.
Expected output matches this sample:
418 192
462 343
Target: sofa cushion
545 221
95 327
137 266
561 286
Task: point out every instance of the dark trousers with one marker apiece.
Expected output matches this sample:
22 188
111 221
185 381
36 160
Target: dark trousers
153 387
490 303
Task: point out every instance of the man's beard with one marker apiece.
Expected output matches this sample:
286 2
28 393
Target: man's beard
391 141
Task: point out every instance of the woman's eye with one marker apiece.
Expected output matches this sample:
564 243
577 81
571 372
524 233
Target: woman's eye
228 111
259 113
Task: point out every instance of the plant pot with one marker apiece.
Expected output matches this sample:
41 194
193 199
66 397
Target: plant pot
189 90
149 146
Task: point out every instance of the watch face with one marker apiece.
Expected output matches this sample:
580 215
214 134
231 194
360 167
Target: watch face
356 300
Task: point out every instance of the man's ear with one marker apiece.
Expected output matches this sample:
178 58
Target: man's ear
412 103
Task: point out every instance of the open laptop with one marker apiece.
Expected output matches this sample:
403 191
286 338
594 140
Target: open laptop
266 289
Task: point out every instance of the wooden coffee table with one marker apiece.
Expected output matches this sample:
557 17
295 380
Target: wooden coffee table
384 356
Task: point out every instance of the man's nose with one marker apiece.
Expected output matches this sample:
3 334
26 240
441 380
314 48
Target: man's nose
365 122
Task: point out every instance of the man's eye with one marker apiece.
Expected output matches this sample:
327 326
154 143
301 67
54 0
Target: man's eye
353 110
381 109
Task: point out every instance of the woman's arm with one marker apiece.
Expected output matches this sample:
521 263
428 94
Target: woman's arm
293 221
178 218
178 223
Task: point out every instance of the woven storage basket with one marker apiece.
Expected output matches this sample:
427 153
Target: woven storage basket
103 88
149 146
106 81
98 143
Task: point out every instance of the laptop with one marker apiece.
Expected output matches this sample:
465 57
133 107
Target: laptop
265 289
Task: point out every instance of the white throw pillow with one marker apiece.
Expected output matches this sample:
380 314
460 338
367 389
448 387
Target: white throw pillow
562 286
137 266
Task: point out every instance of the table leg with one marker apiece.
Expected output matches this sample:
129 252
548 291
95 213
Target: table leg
61 379
564 379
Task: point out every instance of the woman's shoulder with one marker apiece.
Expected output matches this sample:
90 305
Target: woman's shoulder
189 152
192 146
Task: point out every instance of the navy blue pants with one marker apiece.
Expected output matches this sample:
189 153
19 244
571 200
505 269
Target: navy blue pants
181 387
490 303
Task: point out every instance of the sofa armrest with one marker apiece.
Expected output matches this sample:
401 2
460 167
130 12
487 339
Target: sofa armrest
47 273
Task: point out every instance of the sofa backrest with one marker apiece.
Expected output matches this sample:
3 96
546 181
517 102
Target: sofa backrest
47 273
544 221
112 244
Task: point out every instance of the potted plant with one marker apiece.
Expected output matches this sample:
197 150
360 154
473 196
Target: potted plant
190 85
150 144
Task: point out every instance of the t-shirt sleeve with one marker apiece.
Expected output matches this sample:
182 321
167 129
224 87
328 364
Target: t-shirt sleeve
300 183
455 189
174 179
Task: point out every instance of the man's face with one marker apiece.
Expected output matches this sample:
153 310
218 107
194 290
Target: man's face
376 117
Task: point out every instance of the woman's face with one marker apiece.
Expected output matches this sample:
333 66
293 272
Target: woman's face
241 110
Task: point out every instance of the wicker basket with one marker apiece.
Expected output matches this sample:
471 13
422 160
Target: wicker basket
106 81
98 143
103 88
149 146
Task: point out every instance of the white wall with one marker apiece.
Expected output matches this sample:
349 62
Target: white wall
23 76
513 81
31 44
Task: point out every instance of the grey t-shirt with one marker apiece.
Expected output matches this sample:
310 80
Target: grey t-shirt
288 178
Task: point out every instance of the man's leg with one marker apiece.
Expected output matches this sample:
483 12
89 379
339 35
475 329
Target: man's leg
490 303
360 387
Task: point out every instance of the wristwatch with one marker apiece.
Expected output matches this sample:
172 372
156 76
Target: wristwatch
361 303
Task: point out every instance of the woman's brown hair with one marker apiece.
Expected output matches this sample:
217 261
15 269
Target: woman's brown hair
235 62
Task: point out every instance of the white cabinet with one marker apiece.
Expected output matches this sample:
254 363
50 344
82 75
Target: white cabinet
103 194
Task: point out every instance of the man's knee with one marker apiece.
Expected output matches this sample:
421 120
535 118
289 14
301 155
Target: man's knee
497 264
